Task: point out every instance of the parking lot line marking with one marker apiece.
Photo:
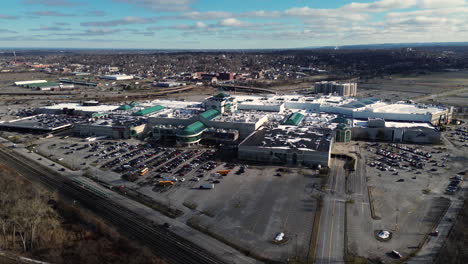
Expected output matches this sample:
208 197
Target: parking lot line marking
324 231
331 233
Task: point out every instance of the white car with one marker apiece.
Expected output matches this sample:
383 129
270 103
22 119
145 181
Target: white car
384 234
279 237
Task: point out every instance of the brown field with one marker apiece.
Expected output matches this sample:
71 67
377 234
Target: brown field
400 87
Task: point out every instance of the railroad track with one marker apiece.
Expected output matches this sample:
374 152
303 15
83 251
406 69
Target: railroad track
167 245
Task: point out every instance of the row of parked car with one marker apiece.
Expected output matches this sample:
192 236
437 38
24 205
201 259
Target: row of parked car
124 156
454 184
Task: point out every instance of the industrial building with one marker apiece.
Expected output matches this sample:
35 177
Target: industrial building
336 88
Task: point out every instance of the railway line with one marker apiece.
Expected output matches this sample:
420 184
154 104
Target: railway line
167 245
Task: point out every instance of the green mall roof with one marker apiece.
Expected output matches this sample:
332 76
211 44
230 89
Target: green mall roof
193 129
341 120
294 119
222 95
41 84
149 110
210 114
98 114
125 107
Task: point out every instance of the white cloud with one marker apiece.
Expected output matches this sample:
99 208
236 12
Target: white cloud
380 6
209 15
441 3
123 21
161 5
233 22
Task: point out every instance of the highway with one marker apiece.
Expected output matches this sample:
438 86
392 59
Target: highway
167 245
245 88
109 97
331 244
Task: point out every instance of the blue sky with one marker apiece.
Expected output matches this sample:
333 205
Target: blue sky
208 24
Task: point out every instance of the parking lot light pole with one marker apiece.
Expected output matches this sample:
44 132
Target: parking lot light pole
297 255
396 220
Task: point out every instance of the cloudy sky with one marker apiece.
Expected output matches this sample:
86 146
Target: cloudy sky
207 24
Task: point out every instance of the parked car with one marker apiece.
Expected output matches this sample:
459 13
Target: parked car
396 254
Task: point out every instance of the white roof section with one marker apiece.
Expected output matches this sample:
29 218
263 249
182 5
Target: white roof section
172 104
240 117
176 113
364 123
118 77
339 104
30 82
80 107
296 98
404 108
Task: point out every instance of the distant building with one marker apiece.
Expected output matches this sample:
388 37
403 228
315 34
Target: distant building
47 86
168 84
117 77
226 76
113 69
338 88
29 82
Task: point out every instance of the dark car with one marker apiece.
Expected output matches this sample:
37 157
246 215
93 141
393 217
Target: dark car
395 254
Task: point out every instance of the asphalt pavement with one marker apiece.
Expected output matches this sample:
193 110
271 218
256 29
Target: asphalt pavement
331 244
215 247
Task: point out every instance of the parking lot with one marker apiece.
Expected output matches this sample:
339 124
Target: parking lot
411 187
251 208
459 135
246 205
415 164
